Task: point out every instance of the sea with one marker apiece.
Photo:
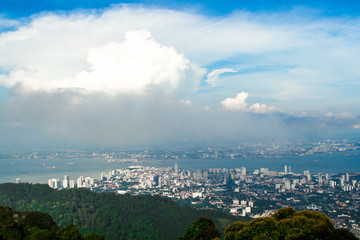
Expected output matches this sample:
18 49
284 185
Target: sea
40 170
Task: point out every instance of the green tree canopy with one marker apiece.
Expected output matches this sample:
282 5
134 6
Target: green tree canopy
202 229
112 215
288 224
36 226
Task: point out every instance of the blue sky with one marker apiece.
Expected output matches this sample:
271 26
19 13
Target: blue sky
175 71
21 8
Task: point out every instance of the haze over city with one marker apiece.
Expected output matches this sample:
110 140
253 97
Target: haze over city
111 73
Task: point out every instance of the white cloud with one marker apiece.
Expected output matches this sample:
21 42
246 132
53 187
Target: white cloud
213 76
239 104
134 65
356 126
261 108
329 114
236 104
343 115
287 56
301 114
297 61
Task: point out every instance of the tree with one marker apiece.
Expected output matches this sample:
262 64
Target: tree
40 220
202 229
36 226
94 236
288 224
70 232
260 228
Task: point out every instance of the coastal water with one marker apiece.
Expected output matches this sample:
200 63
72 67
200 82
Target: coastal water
40 170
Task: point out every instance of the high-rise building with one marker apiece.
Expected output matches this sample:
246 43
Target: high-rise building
197 174
66 182
18 180
347 177
243 171
176 169
103 176
205 174
160 181
71 184
342 182
80 182
332 183
353 183
286 169
287 184
87 182
155 180
54 183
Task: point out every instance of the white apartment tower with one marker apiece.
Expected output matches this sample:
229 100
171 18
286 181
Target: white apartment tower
320 179
80 182
176 169
243 171
66 181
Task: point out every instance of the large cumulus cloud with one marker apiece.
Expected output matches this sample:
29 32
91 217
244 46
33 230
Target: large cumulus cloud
133 65
127 75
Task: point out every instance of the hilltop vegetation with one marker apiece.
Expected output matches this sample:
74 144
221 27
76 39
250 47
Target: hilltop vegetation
37 226
114 216
288 224
285 224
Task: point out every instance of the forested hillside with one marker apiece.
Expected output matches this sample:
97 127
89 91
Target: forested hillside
16 225
115 216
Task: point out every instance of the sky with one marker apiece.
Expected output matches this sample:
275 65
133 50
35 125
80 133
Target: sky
111 74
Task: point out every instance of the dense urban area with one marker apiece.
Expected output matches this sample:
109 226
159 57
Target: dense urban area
238 191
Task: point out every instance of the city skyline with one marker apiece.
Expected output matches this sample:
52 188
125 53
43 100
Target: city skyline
111 73
256 193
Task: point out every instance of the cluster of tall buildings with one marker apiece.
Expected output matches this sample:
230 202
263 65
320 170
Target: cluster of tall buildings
82 182
287 169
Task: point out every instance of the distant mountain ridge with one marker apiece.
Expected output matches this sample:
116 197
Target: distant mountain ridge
114 216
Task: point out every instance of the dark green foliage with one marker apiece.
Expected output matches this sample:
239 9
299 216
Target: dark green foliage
34 233
114 216
70 232
40 220
35 226
259 228
94 236
288 224
344 234
202 229
284 213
